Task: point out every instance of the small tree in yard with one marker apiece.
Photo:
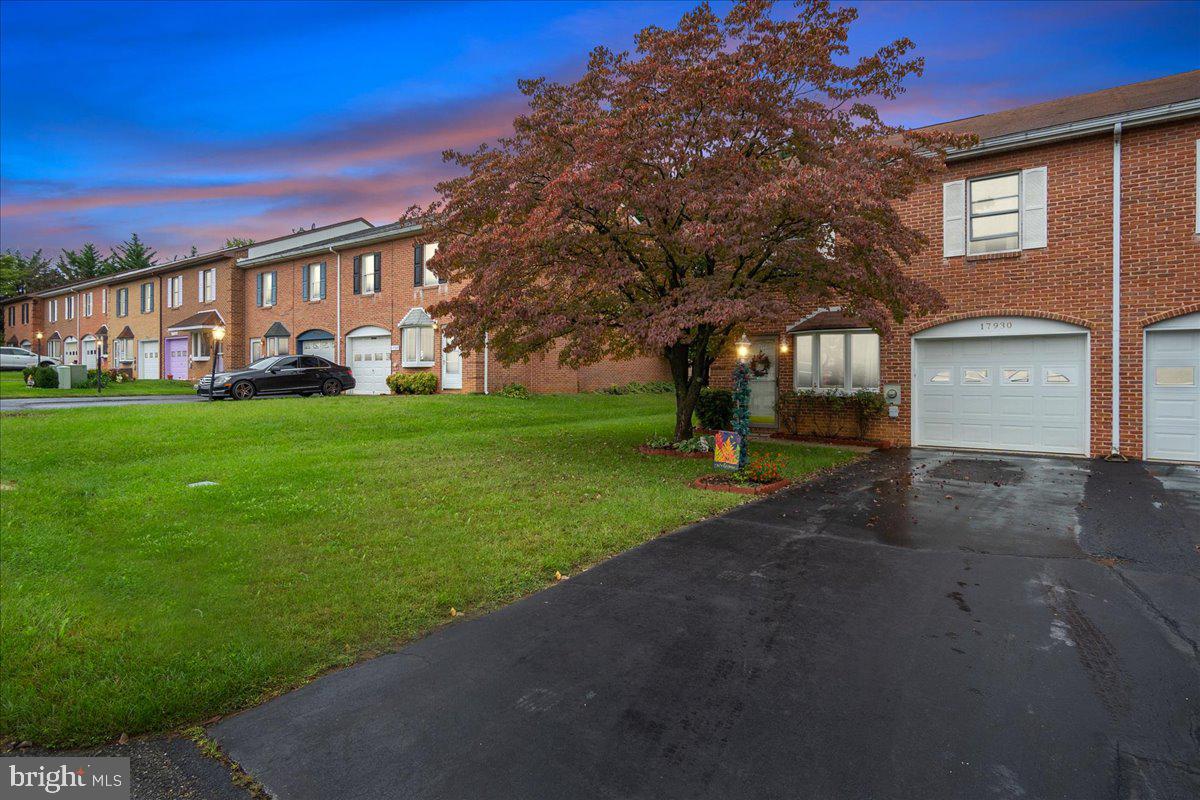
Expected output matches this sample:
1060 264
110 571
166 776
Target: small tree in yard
668 198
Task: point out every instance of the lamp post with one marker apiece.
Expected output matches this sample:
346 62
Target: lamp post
741 399
39 338
218 334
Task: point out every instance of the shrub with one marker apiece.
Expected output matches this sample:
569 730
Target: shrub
517 391
25 373
764 468
825 413
413 383
715 408
658 443
638 387
697 444
110 376
45 378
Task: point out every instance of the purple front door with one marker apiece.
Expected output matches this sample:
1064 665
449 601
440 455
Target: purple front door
177 358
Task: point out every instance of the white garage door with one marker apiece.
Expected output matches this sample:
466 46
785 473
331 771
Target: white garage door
148 360
370 360
317 347
1173 392
1022 393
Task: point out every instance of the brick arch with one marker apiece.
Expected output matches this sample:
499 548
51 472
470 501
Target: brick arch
1191 308
1003 312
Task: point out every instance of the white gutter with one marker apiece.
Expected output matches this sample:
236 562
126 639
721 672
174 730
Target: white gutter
1070 130
1116 292
485 362
337 341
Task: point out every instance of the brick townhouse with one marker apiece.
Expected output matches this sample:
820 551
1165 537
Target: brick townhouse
1066 246
350 292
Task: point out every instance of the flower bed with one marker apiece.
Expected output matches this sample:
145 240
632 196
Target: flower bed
881 444
726 483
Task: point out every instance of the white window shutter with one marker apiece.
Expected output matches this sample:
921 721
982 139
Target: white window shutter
954 230
1033 208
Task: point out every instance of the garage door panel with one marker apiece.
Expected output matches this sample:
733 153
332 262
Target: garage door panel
1172 398
996 393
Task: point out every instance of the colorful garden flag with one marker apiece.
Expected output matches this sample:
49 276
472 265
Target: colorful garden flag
727 450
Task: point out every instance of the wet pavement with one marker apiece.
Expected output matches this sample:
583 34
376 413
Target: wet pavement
91 401
917 625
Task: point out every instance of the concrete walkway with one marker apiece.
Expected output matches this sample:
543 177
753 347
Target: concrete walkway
923 624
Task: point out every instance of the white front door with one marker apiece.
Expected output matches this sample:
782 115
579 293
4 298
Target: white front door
762 381
71 351
89 352
370 361
1022 393
317 347
1173 395
148 360
451 366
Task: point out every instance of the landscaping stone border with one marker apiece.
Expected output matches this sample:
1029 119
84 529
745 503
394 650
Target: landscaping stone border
704 482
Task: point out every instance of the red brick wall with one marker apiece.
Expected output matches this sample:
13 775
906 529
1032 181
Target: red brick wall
1071 278
28 330
228 304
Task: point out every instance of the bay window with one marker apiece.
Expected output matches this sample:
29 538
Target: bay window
846 360
417 344
276 346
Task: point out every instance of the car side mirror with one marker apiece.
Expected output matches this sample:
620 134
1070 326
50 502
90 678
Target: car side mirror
273 370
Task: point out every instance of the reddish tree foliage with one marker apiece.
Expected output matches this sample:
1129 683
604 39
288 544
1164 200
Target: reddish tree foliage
666 199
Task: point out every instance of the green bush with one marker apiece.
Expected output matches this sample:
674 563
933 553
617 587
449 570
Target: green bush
638 387
25 373
715 409
659 443
45 378
413 383
826 413
696 444
514 390
111 376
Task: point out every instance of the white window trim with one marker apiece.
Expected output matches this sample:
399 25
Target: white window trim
404 362
968 216
847 361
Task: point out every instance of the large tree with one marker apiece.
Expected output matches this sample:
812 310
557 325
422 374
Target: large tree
86 262
730 171
133 253
19 273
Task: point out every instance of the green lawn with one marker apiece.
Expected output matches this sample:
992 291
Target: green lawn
13 385
340 526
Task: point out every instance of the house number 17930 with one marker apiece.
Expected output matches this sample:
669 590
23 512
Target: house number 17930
994 326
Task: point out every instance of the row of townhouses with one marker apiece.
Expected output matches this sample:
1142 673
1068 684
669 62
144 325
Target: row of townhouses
1066 246
351 292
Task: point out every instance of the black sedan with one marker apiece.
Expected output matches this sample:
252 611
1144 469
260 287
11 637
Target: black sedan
302 375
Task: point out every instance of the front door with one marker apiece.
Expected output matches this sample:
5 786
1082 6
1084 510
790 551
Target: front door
89 352
177 358
451 366
762 381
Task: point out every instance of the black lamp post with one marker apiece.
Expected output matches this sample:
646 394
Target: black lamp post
218 334
39 338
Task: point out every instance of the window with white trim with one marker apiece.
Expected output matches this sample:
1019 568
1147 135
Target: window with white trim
87 304
994 208
847 360
200 345
123 350
52 311
54 348
147 296
123 302
417 347
104 300
69 306
369 273
256 350
175 291
428 252
24 313
207 287
277 346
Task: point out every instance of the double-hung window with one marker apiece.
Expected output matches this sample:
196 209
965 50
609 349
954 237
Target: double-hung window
276 345
12 315
994 205
417 344
846 360
422 275
24 313
265 291
312 282
207 285
52 311
123 302
175 291
69 305
147 297
368 273
87 304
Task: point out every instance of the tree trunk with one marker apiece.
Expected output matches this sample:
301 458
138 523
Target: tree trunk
688 379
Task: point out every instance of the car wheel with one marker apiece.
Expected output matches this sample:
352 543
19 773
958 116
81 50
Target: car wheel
242 390
331 387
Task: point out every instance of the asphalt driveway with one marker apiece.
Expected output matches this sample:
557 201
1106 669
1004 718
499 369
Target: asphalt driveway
921 625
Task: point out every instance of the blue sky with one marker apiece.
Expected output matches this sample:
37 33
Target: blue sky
190 122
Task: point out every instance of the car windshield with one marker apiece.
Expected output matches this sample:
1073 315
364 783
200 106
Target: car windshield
263 363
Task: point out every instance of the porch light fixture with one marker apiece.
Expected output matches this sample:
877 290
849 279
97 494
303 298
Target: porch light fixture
218 333
783 344
743 348
39 338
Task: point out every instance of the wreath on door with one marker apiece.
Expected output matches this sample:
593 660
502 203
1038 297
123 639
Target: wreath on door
760 365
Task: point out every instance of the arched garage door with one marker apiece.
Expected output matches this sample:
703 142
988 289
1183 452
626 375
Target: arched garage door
369 356
1172 385
1002 383
316 342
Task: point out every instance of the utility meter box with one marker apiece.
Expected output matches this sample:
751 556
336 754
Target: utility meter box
71 375
891 393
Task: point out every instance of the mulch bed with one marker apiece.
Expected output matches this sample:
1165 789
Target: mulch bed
882 444
667 451
722 483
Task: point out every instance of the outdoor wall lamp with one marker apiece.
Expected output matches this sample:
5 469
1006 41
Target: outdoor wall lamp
743 348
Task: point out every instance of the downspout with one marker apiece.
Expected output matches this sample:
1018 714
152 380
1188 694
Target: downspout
485 362
1116 298
337 342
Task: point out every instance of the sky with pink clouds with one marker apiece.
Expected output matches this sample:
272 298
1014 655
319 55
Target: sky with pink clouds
192 122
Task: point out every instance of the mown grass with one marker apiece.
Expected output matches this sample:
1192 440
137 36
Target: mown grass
339 526
13 385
